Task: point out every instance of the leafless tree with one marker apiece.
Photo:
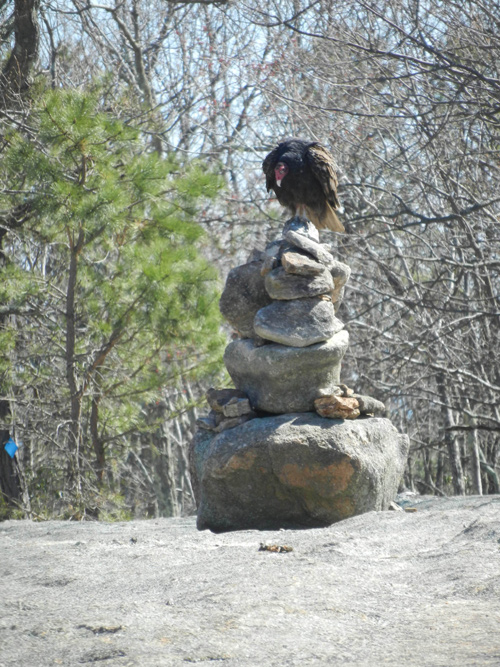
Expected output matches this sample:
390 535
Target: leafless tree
408 94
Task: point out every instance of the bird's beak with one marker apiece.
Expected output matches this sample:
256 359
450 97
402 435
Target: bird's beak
280 171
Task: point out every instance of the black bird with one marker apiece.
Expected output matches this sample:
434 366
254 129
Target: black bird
303 177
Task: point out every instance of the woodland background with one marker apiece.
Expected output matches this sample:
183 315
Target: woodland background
131 138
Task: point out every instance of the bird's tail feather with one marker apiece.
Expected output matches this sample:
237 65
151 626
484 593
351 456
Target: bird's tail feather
328 221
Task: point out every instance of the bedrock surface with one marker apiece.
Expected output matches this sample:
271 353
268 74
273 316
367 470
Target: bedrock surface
391 588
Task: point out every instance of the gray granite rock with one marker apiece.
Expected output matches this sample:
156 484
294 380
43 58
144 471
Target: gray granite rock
295 471
255 255
237 407
298 323
381 588
280 379
244 294
230 422
340 272
269 263
221 421
282 285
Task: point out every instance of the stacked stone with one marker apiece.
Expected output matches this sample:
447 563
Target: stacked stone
305 283
283 305
288 446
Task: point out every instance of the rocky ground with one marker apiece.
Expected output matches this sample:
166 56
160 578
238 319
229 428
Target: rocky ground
398 588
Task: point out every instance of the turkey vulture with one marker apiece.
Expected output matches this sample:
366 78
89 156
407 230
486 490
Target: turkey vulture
302 174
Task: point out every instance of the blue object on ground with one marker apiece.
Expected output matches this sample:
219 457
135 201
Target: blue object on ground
11 448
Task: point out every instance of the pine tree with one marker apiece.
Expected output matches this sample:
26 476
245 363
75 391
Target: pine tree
110 296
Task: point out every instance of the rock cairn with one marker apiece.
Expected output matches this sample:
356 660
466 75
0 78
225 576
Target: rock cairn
283 306
285 365
291 343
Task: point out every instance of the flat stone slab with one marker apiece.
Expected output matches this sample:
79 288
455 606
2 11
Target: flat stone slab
279 379
382 588
317 250
298 323
283 285
299 263
295 471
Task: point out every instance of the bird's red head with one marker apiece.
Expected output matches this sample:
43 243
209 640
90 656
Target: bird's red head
280 171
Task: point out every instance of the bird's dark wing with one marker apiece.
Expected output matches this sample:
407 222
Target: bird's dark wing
323 166
268 166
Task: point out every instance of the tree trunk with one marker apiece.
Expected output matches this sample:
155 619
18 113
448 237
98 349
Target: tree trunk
491 472
13 83
10 482
75 435
11 488
475 462
440 471
97 443
14 80
428 469
451 441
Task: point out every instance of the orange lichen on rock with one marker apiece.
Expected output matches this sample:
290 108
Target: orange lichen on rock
326 481
337 407
243 461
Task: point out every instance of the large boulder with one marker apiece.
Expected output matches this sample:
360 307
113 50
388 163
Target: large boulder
295 471
278 379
